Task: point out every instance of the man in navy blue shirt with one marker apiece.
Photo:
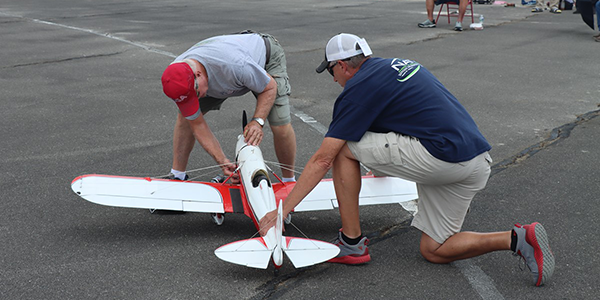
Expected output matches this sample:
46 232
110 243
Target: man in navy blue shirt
398 120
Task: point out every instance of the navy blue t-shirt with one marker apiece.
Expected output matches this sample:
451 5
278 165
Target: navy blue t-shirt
400 95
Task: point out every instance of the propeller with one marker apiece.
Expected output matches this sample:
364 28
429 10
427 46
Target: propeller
244 120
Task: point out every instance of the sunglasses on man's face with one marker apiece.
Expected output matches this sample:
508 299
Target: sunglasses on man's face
330 68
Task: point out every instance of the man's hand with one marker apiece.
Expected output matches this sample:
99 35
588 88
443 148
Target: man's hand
253 133
228 169
267 222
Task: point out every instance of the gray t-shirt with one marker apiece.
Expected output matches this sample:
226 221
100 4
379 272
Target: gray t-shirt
235 64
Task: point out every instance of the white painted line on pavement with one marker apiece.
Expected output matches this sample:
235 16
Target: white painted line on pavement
310 121
480 282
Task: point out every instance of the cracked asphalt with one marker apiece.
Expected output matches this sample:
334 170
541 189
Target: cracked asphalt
80 93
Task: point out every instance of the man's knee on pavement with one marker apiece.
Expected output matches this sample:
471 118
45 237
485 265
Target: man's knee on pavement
428 248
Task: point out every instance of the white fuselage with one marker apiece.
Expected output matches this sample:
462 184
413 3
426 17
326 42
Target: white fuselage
259 192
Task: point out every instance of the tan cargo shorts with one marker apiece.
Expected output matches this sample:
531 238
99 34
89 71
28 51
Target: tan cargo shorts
445 189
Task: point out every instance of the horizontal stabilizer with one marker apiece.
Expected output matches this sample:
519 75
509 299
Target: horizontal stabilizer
307 252
250 253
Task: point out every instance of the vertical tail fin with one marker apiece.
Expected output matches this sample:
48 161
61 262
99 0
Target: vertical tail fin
278 251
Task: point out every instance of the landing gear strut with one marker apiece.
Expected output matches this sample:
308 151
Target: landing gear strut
218 218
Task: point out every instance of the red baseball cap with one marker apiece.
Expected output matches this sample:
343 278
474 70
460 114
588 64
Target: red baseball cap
178 84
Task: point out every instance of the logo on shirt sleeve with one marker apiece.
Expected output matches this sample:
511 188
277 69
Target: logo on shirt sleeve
406 68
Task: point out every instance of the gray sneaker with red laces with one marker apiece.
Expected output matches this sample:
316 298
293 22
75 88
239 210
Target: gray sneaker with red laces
351 254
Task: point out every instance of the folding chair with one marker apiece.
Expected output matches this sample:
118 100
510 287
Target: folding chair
453 5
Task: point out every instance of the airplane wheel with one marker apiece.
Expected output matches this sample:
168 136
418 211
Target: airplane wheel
218 218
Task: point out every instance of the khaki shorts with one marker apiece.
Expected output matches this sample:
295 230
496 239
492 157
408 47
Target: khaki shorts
445 189
277 68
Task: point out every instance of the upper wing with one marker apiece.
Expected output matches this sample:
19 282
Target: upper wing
144 192
374 190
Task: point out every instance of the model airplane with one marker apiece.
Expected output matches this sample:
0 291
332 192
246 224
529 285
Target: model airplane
254 196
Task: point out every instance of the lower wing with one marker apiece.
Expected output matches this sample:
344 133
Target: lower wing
194 196
374 190
145 192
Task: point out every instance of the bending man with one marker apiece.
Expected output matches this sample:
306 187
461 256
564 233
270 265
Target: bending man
200 79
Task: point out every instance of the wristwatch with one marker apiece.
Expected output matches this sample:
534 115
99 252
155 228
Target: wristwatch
260 121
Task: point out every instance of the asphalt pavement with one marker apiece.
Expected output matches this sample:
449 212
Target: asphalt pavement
80 93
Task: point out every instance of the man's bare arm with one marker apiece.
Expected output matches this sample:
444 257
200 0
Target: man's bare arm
209 142
264 102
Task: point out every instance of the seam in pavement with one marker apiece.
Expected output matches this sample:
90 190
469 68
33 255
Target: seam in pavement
556 135
61 60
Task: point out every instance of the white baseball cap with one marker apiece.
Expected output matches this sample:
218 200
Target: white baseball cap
342 46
